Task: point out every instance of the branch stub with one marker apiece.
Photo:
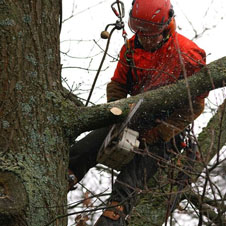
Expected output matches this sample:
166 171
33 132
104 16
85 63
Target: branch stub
116 111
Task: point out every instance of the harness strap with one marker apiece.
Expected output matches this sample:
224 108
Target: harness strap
132 67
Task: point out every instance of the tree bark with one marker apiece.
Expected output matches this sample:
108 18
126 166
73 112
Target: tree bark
212 138
33 145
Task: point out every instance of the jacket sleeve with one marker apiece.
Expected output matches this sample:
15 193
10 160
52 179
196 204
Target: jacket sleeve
122 68
117 88
194 59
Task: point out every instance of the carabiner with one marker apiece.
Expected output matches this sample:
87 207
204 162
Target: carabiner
121 9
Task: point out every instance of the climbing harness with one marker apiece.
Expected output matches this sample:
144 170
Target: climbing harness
118 25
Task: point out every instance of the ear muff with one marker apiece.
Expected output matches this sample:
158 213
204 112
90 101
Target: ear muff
171 12
171 28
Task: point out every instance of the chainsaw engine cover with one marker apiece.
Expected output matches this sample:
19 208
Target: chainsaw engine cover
118 151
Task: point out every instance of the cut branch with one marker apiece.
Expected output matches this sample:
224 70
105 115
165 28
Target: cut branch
211 77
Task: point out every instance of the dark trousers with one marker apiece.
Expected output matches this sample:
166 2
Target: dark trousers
132 177
83 153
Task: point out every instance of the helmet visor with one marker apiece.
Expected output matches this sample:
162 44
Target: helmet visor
147 28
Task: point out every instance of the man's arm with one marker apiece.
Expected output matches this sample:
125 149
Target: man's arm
116 91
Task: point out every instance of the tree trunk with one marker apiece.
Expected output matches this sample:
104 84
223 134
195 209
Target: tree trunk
33 145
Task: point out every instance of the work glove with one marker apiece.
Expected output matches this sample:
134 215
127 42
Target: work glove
116 91
175 124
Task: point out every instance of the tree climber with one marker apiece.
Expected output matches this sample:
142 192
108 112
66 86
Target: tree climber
155 56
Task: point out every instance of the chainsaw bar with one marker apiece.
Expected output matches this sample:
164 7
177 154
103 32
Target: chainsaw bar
130 115
117 133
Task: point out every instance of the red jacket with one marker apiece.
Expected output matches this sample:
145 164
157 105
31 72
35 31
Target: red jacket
177 57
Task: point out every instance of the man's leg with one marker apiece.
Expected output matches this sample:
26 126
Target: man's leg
132 178
83 153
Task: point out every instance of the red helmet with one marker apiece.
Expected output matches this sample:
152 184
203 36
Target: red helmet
150 17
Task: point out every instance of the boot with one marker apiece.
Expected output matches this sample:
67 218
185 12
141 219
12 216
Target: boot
112 216
105 221
72 180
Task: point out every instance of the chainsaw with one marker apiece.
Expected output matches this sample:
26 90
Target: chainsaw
118 147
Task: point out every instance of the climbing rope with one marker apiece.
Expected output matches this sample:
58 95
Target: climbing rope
118 25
